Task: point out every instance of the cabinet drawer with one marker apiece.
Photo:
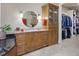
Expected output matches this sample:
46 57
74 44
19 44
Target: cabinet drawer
20 36
20 42
20 48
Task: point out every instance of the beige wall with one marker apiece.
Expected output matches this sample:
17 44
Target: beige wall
10 12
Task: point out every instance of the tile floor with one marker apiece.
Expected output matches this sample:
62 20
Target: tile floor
69 47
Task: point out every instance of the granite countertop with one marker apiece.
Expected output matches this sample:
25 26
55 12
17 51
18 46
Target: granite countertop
35 30
27 30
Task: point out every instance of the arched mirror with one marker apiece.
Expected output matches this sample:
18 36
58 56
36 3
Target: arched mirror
30 19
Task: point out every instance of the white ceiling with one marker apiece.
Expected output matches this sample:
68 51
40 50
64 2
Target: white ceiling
68 5
71 5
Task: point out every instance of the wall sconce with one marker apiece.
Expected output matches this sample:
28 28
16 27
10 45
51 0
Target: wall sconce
46 17
21 14
39 17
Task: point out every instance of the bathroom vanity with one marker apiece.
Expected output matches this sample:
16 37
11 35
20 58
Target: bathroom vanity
35 39
27 42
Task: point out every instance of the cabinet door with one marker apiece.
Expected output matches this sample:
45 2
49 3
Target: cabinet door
53 24
39 40
43 39
53 37
29 42
20 43
50 38
20 39
53 13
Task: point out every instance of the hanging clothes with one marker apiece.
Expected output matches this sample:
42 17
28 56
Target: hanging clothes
69 22
77 26
66 26
68 32
63 27
66 22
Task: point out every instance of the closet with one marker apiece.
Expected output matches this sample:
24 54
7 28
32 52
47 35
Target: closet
67 22
66 26
70 22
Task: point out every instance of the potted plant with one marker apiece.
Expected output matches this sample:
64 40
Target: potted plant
4 30
7 28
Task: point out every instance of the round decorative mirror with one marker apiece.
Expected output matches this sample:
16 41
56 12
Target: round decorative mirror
30 19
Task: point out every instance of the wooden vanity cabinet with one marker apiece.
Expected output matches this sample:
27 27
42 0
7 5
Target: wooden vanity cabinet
30 41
